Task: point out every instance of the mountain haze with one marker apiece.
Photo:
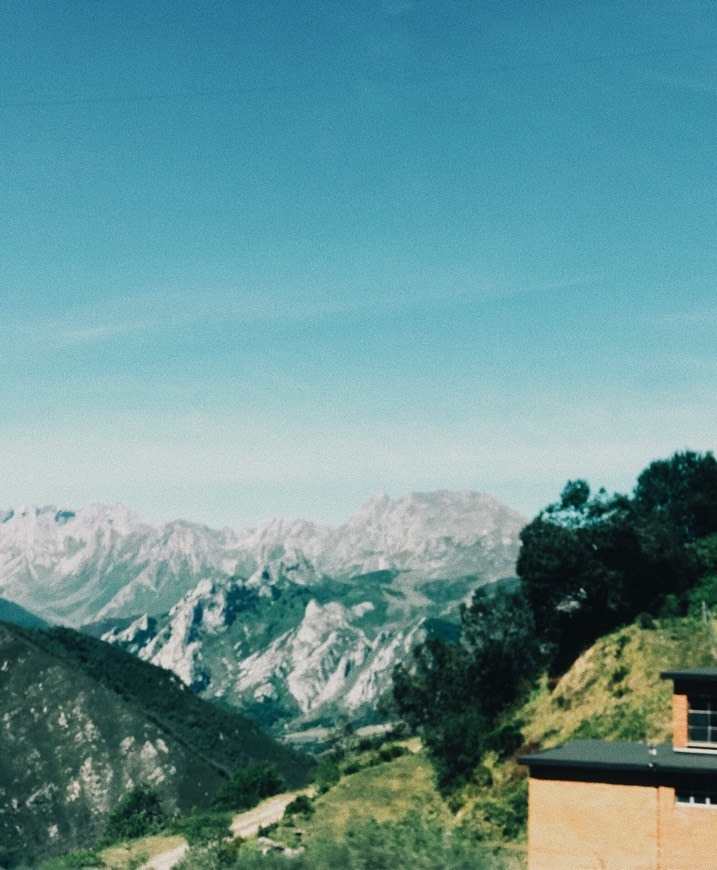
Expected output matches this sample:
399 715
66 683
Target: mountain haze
293 621
78 566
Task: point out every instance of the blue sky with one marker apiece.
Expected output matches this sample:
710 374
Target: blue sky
266 259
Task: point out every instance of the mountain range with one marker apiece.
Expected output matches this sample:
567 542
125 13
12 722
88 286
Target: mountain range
293 621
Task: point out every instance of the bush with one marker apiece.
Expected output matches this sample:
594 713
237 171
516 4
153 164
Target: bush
328 773
72 861
456 745
505 741
248 787
368 845
394 750
645 621
139 813
213 857
300 806
202 829
8 858
622 723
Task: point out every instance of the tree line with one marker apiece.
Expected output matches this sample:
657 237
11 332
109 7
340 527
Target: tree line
588 563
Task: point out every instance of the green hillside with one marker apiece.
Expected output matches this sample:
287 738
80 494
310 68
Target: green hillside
84 722
372 807
226 738
613 691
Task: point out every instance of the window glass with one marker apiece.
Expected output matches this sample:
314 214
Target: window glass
702 720
696 796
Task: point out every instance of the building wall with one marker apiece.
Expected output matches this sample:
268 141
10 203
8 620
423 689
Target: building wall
688 834
679 721
589 825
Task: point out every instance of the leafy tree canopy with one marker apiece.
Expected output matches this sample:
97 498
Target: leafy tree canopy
139 813
248 787
454 693
590 563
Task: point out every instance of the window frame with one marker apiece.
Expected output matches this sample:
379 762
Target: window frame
702 706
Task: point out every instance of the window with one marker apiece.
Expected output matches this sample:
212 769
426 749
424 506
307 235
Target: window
696 796
702 721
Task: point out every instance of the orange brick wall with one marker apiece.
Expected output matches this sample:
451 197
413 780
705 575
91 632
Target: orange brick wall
679 721
581 825
688 834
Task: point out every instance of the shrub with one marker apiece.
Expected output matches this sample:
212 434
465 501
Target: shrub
645 621
456 745
367 743
248 787
72 861
328 773
139 813
202 829
505 741
622 723
394 750
301 806
212 857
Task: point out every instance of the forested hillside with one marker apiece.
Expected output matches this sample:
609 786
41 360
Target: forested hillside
84 722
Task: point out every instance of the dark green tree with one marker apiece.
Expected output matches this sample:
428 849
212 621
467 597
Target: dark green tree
592 563
681 491
248 787
453 693
139 813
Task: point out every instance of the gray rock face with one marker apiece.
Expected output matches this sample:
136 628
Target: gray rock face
293 621
76 567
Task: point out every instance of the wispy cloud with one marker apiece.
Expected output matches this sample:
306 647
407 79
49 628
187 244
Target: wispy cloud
100 332
132 315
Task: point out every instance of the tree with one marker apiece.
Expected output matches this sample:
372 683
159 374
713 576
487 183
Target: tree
454 692
139 813
248 787
682 491
499 642
592 563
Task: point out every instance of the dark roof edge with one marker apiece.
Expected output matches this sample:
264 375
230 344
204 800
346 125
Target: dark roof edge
547 758
621 758
706 675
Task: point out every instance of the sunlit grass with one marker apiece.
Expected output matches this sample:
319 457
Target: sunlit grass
129 855
615 688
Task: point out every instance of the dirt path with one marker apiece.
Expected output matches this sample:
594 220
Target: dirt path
166 860
269 811
243 825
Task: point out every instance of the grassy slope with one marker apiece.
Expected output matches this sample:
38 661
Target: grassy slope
384 793
614 691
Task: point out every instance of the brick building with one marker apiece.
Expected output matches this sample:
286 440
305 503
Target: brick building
624 806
